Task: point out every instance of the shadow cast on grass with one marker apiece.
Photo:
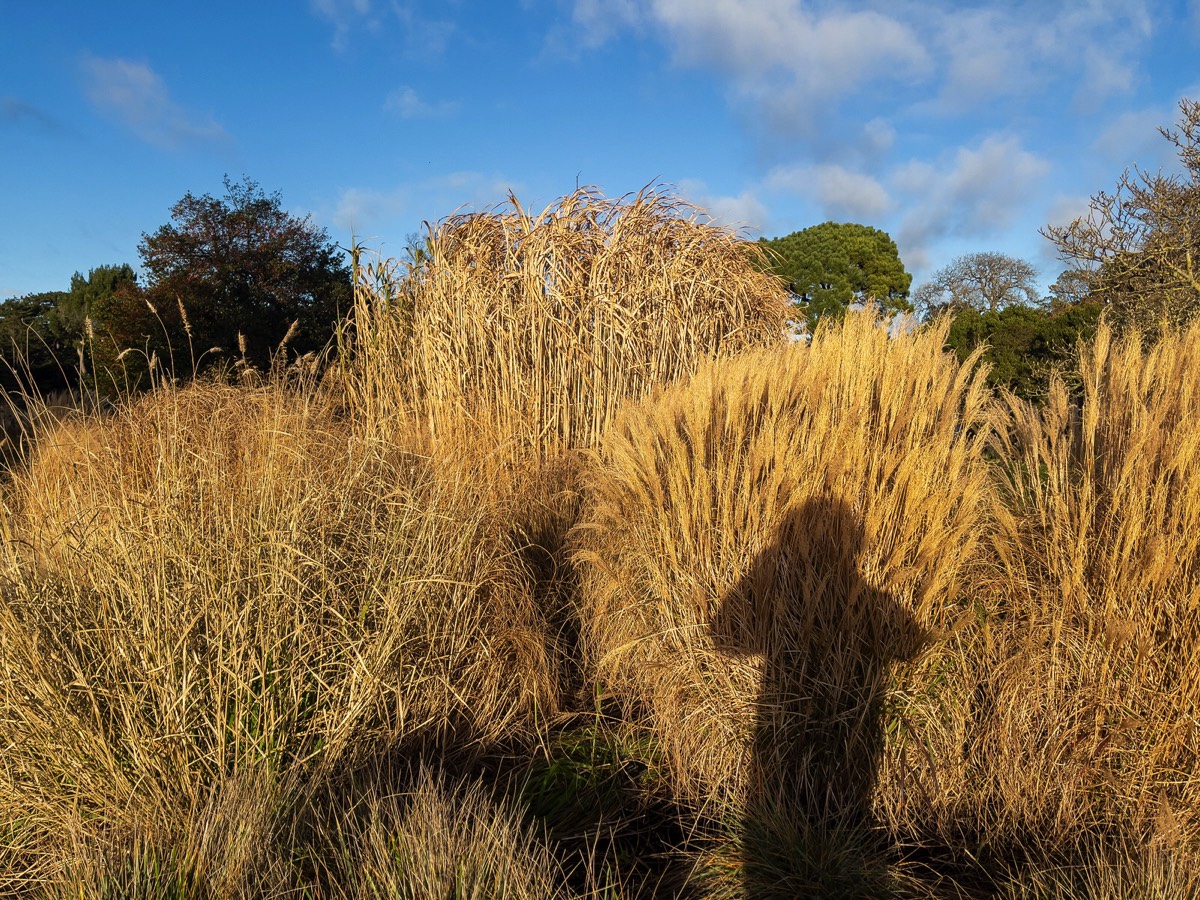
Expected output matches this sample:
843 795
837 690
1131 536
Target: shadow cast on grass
826 637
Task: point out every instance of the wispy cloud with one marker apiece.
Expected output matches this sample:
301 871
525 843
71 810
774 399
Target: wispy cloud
408 104
786 61
983 52
1066 208
840 192
601 20
421 35
791 65
133 94
424 36
359 208
18 114
470 189
743 211
367 211
975 192
344 15
1133 137
878 136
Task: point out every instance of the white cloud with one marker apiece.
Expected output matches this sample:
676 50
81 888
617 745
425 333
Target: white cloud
407 104
1106 38
831 52
1133 138
1019 49
1066 208
878 136
840 192
344 15
976 192
790 64
740 211
743 211
602 20
136 96
421 36
1105 73
985 54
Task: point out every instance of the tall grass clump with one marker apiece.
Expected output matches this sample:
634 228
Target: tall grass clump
1090 722
215 603
763 542
541 324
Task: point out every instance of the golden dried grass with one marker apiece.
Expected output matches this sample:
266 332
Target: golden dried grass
797 571
765 539
217 582
443 839
1090 716
541 324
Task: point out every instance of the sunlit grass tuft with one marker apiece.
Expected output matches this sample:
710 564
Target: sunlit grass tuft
765 542
1090 715
543 323
218 583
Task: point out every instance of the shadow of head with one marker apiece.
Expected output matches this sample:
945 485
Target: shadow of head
805 591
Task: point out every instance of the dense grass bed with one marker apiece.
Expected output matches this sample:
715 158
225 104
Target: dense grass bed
575 579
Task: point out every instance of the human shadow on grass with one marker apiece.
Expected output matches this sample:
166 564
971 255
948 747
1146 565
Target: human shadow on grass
827 637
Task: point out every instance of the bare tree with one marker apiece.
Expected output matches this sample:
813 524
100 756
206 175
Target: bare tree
984 281
1140 245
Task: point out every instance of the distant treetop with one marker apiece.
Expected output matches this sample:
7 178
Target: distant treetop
983 281
241 265
828 267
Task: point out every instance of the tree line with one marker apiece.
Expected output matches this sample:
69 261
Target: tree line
1134 258
237 280
992 297
228 281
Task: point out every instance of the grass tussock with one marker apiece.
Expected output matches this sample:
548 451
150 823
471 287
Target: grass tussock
1122 869
444 839
765 542
218 584
1090 723
542 324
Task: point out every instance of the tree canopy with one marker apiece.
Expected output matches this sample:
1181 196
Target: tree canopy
832 265
983 281
1139 246
32 347
89 294
242 270
44 337
1025 344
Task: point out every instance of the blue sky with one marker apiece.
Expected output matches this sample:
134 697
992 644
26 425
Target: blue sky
954 127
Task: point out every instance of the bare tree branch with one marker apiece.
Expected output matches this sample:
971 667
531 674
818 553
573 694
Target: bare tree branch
1137 246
